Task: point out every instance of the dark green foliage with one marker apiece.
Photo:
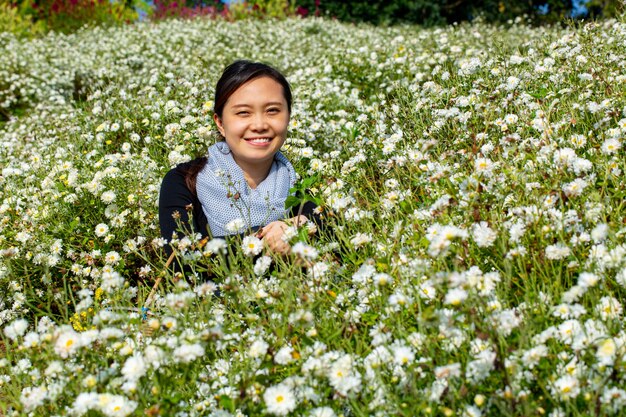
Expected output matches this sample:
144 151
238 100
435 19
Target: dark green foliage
605 8
426 12
435 12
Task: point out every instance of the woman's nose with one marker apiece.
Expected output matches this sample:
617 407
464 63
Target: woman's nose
259 122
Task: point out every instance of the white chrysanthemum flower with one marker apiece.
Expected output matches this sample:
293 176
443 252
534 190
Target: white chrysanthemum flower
532 356
258 348
566 387
235 226
289 233
512 83
611 146
360 239
252 245
279 400
262 265
16 329
342 376
23 237
568 311
587 279
112 258
506 321
452 370
609 308
284 355
483 235
471 411
606 352
480 368
578 141
134 367
108 197
569 330
111 281
483 166
600 232
33 397
305 251
620 277
319 270
31 340
67 343
154 356
615 398
381 279
84 402
557 252
214 246
378 357
455 296
403 355
511 119
427 290
575 188
188 352
101 230
322 412
115 405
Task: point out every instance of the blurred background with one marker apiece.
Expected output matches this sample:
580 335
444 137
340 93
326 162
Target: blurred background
27 18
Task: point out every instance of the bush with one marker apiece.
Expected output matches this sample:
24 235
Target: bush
70 15
434 12
12 21
605 8
260 9
378 11
164 9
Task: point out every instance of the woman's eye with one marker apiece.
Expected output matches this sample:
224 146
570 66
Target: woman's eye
242 113
273 110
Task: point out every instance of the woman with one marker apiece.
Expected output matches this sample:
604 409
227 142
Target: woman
242 184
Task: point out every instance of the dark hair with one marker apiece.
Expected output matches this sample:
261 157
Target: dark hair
240 72
234 76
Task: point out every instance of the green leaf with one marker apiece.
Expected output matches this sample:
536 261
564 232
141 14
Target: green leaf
226 402
308 182
291 201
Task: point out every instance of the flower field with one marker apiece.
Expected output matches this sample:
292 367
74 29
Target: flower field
472 260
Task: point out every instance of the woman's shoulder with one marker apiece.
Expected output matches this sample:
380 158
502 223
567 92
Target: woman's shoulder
182 170
184 167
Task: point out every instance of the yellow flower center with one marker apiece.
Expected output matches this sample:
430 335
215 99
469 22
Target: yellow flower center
280 399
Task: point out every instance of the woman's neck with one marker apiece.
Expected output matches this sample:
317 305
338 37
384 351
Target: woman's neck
254 174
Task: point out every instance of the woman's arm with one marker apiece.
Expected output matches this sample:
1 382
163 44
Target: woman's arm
176 203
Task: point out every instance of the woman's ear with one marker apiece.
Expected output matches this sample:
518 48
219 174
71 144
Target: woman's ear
219 124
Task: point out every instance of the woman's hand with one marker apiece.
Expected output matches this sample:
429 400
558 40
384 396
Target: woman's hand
272 234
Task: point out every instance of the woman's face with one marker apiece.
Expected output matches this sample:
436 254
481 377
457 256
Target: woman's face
254 122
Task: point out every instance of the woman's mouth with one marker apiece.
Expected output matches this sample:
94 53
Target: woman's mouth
258 141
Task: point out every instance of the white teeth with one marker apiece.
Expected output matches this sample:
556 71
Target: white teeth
260 140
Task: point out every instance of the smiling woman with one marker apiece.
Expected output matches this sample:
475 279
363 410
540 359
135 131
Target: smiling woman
243 182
